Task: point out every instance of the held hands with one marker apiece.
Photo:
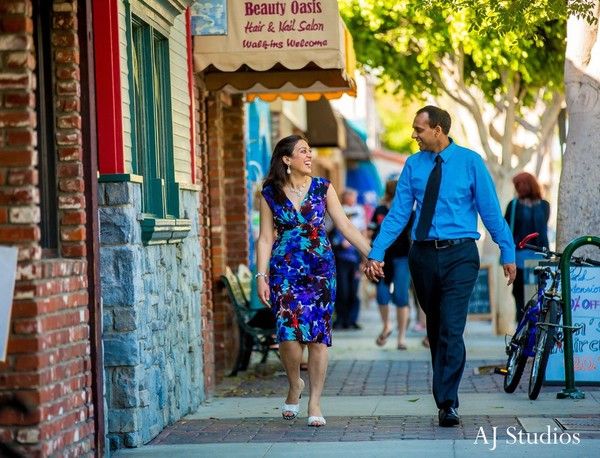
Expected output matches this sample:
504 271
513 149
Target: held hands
263 290
510 272
373 269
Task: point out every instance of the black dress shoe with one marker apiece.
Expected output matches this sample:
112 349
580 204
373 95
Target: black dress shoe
448 417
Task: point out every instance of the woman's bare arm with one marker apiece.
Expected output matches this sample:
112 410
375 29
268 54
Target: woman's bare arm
341 221
264 246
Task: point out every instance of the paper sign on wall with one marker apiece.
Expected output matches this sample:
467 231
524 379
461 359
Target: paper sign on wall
8 272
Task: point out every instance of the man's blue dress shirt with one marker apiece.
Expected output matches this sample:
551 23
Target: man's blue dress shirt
466 189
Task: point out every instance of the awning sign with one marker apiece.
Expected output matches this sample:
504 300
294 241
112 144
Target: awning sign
8 272
262 34
209 17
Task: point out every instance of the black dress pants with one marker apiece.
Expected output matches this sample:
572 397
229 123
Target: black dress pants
444 280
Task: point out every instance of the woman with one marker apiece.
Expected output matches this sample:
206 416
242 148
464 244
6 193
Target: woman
395 271
525 214
300 282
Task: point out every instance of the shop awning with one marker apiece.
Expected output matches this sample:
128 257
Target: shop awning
325 127
285 47
356 148
364 178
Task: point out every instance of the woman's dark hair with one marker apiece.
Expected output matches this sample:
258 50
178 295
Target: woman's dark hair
277 170
535 192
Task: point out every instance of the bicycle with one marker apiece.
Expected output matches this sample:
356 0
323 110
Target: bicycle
539 329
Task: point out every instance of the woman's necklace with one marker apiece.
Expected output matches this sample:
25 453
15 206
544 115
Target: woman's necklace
298 192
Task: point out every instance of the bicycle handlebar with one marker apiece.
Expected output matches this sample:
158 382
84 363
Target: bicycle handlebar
527 238
549 253
539 249
592 262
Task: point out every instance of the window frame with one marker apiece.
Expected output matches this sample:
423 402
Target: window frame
46 130
152 148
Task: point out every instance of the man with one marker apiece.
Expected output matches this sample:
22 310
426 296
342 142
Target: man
450 185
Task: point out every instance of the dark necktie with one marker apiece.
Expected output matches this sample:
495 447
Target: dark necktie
430 199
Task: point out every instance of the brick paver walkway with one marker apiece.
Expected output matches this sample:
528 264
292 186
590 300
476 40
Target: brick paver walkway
352 375
355 378
338 429
373 378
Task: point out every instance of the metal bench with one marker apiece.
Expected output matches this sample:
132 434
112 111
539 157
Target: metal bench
257 327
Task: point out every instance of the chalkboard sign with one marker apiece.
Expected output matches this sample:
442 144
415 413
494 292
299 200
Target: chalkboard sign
585 312
480 304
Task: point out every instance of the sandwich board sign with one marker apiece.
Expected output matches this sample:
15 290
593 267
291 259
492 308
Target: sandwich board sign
585 312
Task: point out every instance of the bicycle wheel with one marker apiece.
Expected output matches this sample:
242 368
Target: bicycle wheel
544 342
516 360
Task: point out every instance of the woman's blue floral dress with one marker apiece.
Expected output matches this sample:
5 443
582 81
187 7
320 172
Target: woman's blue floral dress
302 267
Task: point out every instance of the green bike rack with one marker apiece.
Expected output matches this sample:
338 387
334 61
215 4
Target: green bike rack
570 392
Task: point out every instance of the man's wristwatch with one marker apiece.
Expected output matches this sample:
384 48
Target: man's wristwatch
261 274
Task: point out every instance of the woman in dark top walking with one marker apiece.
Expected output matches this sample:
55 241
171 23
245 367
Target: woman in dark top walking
525 214
395 271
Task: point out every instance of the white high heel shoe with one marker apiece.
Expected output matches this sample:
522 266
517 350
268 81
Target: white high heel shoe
316 421
293 408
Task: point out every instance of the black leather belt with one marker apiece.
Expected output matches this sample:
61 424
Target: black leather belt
441 244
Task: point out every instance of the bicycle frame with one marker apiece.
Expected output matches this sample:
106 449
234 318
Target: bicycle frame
532 313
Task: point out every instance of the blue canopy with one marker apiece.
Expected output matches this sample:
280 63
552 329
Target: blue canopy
364 178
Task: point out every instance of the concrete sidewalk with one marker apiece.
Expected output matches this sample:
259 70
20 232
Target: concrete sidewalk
378 403
473 404
380 449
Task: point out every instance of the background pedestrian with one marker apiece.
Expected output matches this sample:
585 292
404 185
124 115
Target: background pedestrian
525 214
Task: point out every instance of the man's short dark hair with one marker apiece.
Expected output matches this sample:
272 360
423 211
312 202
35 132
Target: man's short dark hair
437 117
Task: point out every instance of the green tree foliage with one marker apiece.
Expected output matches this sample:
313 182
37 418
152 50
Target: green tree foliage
521 16
396 113
412 43
509 81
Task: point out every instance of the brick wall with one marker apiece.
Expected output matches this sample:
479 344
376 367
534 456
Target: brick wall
204 235
228 215
48 362
236 194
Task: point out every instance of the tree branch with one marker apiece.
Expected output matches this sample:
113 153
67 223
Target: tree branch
511 84
526 124
525 156
550 116
475 110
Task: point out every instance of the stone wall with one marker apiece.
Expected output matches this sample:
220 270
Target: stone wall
151 303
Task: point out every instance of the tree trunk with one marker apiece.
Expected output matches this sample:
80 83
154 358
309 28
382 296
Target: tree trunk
502 294
579 190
